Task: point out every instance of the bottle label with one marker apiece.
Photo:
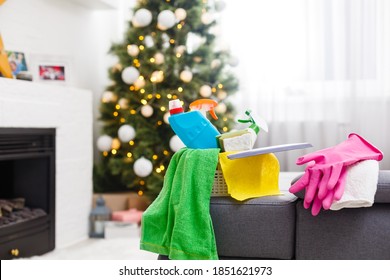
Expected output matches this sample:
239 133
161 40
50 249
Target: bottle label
176 111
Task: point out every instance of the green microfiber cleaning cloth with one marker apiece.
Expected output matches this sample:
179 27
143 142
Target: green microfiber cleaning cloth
178 223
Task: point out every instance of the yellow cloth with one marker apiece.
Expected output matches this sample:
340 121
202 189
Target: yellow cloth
250 177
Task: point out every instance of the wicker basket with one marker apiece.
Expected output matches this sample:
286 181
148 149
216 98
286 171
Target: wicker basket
219 185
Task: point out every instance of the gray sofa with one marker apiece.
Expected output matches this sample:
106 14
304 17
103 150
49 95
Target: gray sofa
278 227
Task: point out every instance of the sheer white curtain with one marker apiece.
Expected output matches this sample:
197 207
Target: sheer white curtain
316 70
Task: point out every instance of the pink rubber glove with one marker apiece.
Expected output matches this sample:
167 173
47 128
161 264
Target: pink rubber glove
331 195
326 170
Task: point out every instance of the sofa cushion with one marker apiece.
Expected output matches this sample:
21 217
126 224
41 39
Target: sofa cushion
259 228
382 194
360 233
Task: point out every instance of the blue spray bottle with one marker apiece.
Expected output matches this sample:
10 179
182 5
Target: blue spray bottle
192 127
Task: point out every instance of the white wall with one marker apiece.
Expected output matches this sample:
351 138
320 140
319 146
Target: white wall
75 33
69 110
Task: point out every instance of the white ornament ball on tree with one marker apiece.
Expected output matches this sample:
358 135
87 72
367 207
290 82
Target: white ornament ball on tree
215 63
123 103
149 41
165 37
130 75
143 167
126 133
205 91
217 31
180 14
133 50
197 59
109 96
166 45
147 111
159 58
116 144
186 76
134 22
175 143
233 61
222 94
221 108
194 41
166 117
142 18
103 143
180 49
166 19
206 18
220 5
139 83
157 76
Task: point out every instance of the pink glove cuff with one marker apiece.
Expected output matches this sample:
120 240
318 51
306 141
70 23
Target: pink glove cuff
373 148
354 149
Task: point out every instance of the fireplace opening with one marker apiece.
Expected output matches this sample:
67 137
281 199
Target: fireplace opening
27 192
14 211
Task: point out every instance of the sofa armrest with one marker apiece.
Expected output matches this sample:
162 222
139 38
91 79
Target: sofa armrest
382 194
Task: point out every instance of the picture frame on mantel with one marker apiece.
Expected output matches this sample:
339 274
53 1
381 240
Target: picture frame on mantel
52 72
17 61
50 69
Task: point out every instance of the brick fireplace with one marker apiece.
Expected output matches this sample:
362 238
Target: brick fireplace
68 111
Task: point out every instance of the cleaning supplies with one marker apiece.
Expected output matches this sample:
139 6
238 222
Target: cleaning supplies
192 127
244 139
326 171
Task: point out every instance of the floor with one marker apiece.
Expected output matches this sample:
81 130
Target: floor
101 249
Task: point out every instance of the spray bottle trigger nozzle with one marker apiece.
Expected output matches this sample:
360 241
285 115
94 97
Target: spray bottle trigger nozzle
205 105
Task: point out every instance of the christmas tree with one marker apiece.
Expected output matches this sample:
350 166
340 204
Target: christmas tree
169 52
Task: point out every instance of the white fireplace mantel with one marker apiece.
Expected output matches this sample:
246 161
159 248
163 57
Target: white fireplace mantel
69 110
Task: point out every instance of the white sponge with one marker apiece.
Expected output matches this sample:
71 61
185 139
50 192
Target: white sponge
238 143
241 140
